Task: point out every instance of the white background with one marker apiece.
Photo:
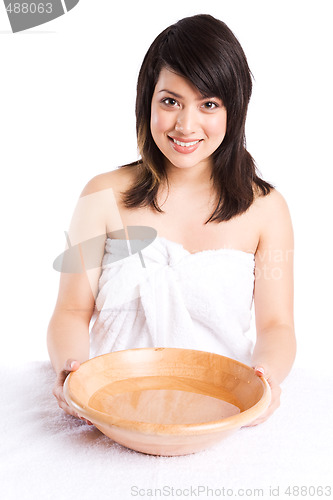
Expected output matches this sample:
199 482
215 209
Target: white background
67 114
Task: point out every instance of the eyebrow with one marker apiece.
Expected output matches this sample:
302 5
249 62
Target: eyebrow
181 97
172 93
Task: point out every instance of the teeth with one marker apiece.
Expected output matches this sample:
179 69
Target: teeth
185 144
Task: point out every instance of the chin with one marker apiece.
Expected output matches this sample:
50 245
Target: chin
187 162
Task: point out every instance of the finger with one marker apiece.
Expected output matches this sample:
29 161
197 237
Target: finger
62 403
61 397
86 421
260 371
67 409
70 366
71 412
260 420
62 377
271 409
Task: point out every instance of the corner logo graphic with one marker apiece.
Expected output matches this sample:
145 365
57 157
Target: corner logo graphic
83 256
27 14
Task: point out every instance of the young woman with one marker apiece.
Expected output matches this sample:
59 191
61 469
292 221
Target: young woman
224 235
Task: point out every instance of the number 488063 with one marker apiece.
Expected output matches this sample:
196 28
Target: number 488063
29 8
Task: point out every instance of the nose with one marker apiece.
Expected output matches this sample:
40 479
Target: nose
186 121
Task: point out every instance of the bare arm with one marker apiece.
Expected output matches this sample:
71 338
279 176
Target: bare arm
275 347
68 331
68 335
68 345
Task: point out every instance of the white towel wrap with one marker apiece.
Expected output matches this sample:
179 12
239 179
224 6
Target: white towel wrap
196 301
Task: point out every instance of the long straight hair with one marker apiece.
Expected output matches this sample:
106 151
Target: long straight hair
203 50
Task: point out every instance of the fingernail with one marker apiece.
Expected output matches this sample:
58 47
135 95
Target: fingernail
72 365
259 369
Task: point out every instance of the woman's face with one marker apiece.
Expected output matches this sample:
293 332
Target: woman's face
186 127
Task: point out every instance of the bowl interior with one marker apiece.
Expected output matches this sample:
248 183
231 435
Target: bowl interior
175 390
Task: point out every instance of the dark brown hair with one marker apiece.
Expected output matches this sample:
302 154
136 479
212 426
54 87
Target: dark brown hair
203 50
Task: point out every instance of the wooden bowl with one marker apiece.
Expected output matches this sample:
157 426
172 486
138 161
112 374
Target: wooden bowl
166 401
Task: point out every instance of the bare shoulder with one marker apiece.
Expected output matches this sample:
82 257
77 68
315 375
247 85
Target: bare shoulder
274 218
272 204
118 180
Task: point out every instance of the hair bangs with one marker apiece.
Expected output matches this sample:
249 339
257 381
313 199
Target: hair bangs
189 57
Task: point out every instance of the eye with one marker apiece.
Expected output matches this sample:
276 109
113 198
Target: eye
210 105
169 101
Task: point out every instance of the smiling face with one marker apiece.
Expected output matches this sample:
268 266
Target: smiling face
186 127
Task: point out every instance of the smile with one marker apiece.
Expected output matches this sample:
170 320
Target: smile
185 144
184 147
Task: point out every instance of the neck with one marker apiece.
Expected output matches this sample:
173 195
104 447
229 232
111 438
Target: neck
187 186
189 178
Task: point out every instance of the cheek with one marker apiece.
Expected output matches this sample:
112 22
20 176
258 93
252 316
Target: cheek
159 122
218 126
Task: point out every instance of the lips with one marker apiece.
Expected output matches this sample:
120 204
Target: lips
184 146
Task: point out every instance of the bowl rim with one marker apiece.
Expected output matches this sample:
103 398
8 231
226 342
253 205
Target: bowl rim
236 421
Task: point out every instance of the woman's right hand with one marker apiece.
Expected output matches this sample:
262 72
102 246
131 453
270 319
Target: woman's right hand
71 365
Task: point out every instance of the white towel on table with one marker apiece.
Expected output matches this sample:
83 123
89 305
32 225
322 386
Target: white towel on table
46 454
176 299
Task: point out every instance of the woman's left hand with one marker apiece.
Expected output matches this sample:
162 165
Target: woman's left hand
275 391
